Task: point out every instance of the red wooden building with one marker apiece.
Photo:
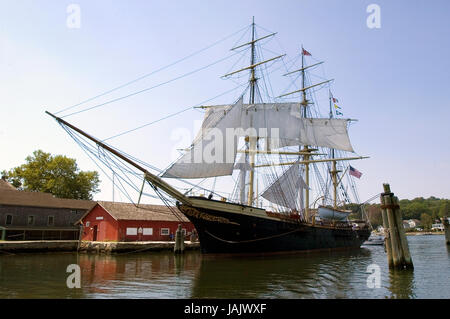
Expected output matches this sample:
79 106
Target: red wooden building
110 221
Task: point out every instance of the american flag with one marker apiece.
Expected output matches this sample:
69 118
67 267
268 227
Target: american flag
304 52
353 171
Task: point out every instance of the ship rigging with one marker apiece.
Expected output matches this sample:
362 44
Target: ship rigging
273 144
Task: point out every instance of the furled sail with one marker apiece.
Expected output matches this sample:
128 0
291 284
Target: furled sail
285 190
243 166
283 124
211 154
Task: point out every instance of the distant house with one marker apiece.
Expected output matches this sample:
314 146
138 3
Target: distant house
437 226
411 223
38 216
112 221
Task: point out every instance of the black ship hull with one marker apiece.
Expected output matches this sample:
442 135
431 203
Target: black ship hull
225 232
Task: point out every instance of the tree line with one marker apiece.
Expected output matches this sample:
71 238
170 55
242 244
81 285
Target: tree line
55 174
426 210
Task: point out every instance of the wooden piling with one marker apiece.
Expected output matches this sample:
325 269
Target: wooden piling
3 233
396 243
179 241
387 240
403 241
446 223
80 237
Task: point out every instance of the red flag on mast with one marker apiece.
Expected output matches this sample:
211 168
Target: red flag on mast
304 52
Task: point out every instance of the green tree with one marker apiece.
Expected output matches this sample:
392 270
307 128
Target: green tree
57 174
426 221
444 210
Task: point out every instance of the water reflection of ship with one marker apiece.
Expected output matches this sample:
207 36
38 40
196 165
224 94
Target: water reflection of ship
101 273
305 275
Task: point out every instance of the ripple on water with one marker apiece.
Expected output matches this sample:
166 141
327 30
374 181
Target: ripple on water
163 275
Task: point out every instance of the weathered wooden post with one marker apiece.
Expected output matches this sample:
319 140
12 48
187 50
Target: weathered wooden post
446 223
3 233
396 243
387 240
80 236
179 241
403 241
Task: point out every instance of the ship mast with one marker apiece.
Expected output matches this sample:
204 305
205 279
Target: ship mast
306 150
333 171
252 141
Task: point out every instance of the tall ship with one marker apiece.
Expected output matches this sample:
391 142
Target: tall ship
286 166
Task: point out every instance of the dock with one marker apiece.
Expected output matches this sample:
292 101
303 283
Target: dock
90 246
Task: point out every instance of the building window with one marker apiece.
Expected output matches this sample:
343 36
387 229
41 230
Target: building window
165 231
148 231
51 220
131 231
8 220
74 211
31 220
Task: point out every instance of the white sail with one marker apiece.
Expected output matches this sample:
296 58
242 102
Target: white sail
285 190
213 153
283 124
330 133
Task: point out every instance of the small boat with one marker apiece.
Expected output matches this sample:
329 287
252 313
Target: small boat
374 240
333 213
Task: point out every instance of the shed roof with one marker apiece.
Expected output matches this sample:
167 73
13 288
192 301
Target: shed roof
127 211
5 185
37 199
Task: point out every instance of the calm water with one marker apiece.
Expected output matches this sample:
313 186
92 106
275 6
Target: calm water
163 275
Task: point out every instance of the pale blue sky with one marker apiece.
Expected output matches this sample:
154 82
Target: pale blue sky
394 80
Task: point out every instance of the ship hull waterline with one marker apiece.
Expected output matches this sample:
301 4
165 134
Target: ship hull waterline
222 232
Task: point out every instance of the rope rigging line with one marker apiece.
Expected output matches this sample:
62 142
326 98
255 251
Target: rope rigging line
109 162
150 88
153 72
88 148
251 240
118 167
173 114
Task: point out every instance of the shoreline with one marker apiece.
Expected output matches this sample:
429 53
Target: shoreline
416 233
424 233
36 246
